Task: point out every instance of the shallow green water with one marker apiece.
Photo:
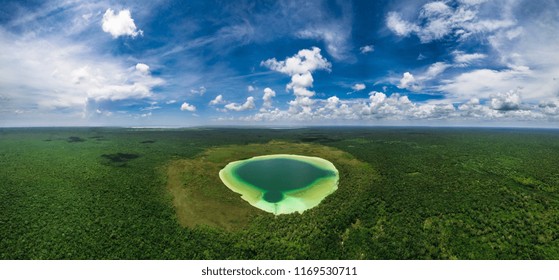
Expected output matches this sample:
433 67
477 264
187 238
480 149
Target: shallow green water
279 175
281 183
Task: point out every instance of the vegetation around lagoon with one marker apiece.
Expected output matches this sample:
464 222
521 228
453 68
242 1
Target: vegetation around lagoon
200 196
416 193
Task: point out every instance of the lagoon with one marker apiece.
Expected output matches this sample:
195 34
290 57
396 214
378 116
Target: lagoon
281 184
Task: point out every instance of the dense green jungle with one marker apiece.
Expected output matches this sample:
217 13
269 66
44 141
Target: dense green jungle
403 193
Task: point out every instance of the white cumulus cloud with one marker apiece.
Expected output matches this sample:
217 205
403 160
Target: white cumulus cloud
300 68
396 108
506 101
408 82
217 100
305 61
142 68
248 105
188 107
120 24
268 95
358 87
422 79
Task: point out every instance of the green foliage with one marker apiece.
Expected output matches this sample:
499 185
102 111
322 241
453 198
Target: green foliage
99 193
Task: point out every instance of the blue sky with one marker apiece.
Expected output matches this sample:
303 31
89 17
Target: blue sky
189 63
